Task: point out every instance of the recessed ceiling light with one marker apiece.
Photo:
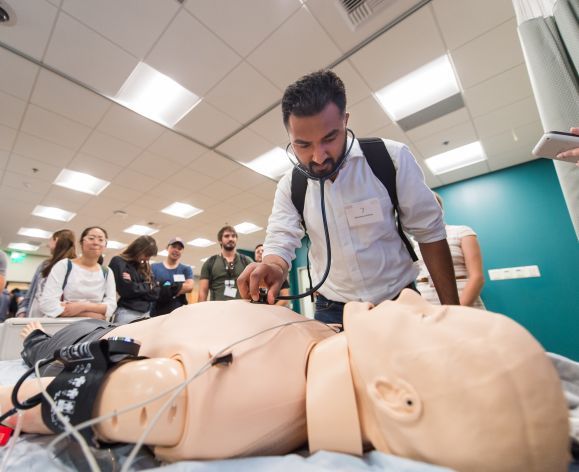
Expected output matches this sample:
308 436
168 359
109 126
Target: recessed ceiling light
420 89
156 96
456 158
115 244
201 242
163 253
246 228
274 163
182 210
141 230
23 247
53 213
80 182
35 233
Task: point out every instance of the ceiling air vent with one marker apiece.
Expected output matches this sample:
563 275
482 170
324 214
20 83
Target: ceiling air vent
359 11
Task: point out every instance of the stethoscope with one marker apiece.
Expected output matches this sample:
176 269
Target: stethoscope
322 180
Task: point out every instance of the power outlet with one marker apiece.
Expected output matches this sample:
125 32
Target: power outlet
522 272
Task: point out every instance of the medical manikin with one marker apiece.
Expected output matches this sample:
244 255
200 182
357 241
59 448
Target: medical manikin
447 385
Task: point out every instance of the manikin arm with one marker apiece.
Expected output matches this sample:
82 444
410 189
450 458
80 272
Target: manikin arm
128 384
438 261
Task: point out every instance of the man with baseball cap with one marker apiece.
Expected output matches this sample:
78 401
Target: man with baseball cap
174 278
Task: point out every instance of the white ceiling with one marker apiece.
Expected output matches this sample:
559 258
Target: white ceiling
62 58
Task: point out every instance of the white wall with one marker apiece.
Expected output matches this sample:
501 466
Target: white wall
22 271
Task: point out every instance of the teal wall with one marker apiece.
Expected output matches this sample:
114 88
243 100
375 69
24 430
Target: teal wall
521 219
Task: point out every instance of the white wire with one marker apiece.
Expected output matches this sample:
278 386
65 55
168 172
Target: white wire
13 440
67 426
176 389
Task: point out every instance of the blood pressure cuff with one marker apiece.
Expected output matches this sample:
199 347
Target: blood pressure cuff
74 390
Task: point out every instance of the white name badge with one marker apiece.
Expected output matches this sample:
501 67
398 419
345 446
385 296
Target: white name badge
364 212
230 289
178 277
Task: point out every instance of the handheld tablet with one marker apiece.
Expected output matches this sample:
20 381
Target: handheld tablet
554 142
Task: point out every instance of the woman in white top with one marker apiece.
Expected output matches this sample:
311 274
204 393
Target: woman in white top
81 287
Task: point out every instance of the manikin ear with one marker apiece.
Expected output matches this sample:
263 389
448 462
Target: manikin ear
395 398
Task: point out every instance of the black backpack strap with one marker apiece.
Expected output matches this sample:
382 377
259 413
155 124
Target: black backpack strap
381 164
298 191
210 263
68 269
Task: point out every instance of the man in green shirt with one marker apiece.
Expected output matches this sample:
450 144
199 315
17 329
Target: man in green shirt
219 273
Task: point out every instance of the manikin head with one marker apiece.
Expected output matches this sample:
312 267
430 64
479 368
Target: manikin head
454 386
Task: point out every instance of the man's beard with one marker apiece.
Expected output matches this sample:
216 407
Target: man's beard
229 246
327 167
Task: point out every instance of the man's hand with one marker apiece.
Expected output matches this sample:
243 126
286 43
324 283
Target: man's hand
261 274
572 152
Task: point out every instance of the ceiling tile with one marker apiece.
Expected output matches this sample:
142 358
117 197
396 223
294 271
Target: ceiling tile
508 117
265 190
100 208
167 188
136 180
106 67
504 89
35 20
11 110
454 137
121 194
526 135
356 89
476 18
96 167
243 93
391 131
54 128
214 165
270 126
245 146
129 126
33 168
464 173
177 148
220 190
197 69
190 180
241 24
206 124
26 182
154 166
488 55
110 149
299 57
367 116
244 178
403 49
62 96
65 199
4 155
440 124
16 192
41 149
18 74
7 138
145 27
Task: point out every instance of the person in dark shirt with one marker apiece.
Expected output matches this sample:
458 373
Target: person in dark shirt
134 279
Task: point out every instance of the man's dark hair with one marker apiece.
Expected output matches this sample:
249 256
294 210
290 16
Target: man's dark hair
310 95
259 245
231 229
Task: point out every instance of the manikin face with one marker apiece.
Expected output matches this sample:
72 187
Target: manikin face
228 241
455 386
94 243
174 252
259 254
318 141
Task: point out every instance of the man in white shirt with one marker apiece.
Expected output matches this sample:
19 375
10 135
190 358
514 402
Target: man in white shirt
369 259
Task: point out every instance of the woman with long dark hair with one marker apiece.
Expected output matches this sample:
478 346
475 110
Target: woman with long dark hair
61 246
81 287
134 280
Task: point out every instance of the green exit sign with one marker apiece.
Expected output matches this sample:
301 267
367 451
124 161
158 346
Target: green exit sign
17 257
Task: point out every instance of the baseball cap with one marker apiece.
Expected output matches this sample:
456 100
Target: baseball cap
176 240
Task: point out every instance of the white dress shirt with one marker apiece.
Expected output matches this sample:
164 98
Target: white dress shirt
82 285
369 260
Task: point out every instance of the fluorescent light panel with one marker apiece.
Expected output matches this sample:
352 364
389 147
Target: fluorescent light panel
420 89
53 213
201 242
156 96
272 164
23 247
163 253
80 182
141 230
115 244
246 228
182 210
35 233
456 158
